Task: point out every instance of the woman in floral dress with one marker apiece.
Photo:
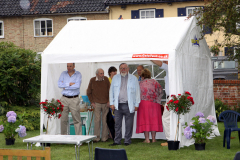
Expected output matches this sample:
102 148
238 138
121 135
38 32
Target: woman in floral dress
149 114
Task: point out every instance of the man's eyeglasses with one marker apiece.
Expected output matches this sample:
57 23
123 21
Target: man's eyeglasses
123 68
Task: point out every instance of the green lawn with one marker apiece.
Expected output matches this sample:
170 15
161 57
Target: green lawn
141 151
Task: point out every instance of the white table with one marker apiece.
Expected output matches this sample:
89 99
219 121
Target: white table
67 139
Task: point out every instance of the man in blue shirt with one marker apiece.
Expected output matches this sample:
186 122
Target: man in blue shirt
139 72
124 97
70 82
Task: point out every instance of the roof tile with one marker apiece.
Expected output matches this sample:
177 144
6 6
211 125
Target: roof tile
29 7
125 2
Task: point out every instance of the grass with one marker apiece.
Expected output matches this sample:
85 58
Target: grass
141 151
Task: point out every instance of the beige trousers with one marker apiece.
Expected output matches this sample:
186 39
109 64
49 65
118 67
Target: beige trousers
71 104
166 122
101 108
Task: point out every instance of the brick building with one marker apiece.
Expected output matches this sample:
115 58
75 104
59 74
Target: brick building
33 24
228 91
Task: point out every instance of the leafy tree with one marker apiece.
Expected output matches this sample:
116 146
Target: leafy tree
222 16
20 75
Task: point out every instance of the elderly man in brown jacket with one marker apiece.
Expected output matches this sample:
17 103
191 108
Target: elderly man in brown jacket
98 94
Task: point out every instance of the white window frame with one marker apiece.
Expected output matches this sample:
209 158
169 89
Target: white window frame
77 19
234 50
145 10
193 8
2 36
34 27
237 23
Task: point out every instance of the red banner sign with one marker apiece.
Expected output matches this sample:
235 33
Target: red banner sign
143 55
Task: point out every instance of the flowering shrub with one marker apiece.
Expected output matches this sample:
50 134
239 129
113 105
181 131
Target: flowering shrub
200 128
21 131
181 103
10 127
53 108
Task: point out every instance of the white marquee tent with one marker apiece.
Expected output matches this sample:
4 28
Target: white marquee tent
105 43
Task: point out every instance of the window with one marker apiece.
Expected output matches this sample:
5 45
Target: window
229 51
1 29
157 74
191 10
224 65
144 14
147 13
43 27
77 19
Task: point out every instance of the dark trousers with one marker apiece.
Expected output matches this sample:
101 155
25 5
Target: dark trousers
111 123
123 110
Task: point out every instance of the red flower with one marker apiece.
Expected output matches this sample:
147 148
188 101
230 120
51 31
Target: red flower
45 110
188 93
40 103
46 100
53 108
171 101
62 105
167 108
59 115
176 109
179 94
61 109
190 98
52 113
192 102
57 107
176 102
173 95
182 107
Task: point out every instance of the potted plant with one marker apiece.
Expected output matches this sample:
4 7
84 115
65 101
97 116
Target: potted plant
10 127
180 104
200 129
215 49
52 108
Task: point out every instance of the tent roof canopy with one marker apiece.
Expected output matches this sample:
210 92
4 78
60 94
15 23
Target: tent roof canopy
117 39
